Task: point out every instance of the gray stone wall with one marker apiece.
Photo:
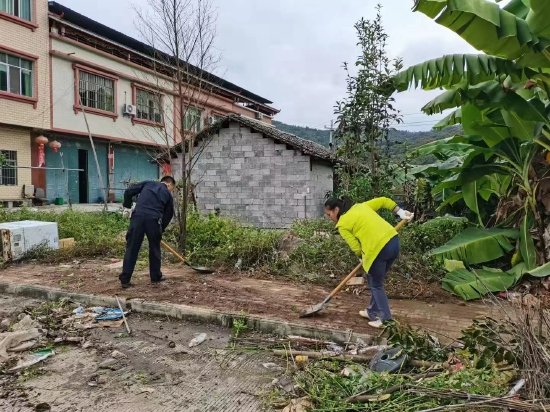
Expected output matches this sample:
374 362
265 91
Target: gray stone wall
321 182
259 181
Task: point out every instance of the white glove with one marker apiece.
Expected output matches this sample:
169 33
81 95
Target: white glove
405 214
127 213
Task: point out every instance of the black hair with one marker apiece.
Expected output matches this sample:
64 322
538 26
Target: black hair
168 179
343 203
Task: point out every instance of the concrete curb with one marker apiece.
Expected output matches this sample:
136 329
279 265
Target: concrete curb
254 322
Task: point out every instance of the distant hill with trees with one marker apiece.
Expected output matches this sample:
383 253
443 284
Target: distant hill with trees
400 141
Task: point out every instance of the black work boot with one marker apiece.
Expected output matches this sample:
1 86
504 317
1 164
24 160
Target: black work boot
127 285
158 281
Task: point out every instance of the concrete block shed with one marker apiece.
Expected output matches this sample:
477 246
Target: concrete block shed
258 174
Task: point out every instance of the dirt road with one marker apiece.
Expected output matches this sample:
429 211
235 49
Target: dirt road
142 372
236 293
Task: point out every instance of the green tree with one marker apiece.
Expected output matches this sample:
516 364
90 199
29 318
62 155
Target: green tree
366 114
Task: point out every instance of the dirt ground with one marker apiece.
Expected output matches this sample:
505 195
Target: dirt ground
231 293
148 373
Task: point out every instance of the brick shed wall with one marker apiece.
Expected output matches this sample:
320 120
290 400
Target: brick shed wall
258 180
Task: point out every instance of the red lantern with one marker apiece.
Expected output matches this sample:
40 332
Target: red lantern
41 140
55 145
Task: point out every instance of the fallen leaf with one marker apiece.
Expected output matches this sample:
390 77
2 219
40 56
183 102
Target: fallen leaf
379 398
298 405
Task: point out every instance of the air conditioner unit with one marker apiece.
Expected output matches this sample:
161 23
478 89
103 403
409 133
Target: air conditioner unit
259 116
129 110
19 238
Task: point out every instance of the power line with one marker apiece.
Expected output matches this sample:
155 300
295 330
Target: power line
414 123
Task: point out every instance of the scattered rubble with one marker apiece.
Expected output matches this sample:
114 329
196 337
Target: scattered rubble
31 359
197 340
29 341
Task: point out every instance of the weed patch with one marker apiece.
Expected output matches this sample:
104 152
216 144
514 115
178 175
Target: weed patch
317 255
96 234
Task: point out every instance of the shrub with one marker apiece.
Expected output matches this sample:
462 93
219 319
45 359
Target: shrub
222 242
306 229
421 238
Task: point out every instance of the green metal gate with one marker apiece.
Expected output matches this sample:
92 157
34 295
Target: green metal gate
132 164
55 179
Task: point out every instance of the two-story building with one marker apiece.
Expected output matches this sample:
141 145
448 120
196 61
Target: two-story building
125 91
24 90
66 77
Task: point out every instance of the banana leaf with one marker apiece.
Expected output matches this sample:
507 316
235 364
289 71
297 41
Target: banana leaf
452 70
518 271
540 272
453 265
475 245
473 285
527 245
491 29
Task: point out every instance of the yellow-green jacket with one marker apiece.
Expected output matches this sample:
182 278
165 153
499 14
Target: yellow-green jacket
365 231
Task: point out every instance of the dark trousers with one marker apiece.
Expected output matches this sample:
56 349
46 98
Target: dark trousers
379 304
139 227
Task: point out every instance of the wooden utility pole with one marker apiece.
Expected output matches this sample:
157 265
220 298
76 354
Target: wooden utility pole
331 128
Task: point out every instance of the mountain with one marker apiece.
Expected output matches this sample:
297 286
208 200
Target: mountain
315 135
400 141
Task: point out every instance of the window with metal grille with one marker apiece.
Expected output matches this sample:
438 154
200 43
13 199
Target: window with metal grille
96 92
17 8
16 75
148 106
193 119
8 168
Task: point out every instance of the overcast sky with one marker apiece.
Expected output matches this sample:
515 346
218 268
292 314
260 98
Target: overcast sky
291 51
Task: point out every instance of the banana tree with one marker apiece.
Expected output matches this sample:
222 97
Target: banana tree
501 100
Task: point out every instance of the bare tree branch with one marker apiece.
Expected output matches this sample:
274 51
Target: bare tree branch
181 34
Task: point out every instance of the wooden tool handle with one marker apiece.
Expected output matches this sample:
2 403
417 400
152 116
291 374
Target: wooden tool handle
346 280
400 225
172 251
359 266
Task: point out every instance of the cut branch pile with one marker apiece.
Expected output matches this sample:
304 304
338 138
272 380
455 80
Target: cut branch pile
473 400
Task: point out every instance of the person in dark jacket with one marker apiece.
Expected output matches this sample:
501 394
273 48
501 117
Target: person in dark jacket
153 212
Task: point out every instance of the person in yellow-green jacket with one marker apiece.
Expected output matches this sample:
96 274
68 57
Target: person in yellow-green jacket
374 241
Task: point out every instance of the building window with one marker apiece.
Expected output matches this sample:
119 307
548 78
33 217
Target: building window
148 105
8 168
16 75
96 92
193 119
17 8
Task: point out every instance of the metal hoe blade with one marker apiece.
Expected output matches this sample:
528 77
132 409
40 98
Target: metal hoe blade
201 269
312 310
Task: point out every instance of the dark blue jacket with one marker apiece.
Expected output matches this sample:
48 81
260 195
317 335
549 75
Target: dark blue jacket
155 201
